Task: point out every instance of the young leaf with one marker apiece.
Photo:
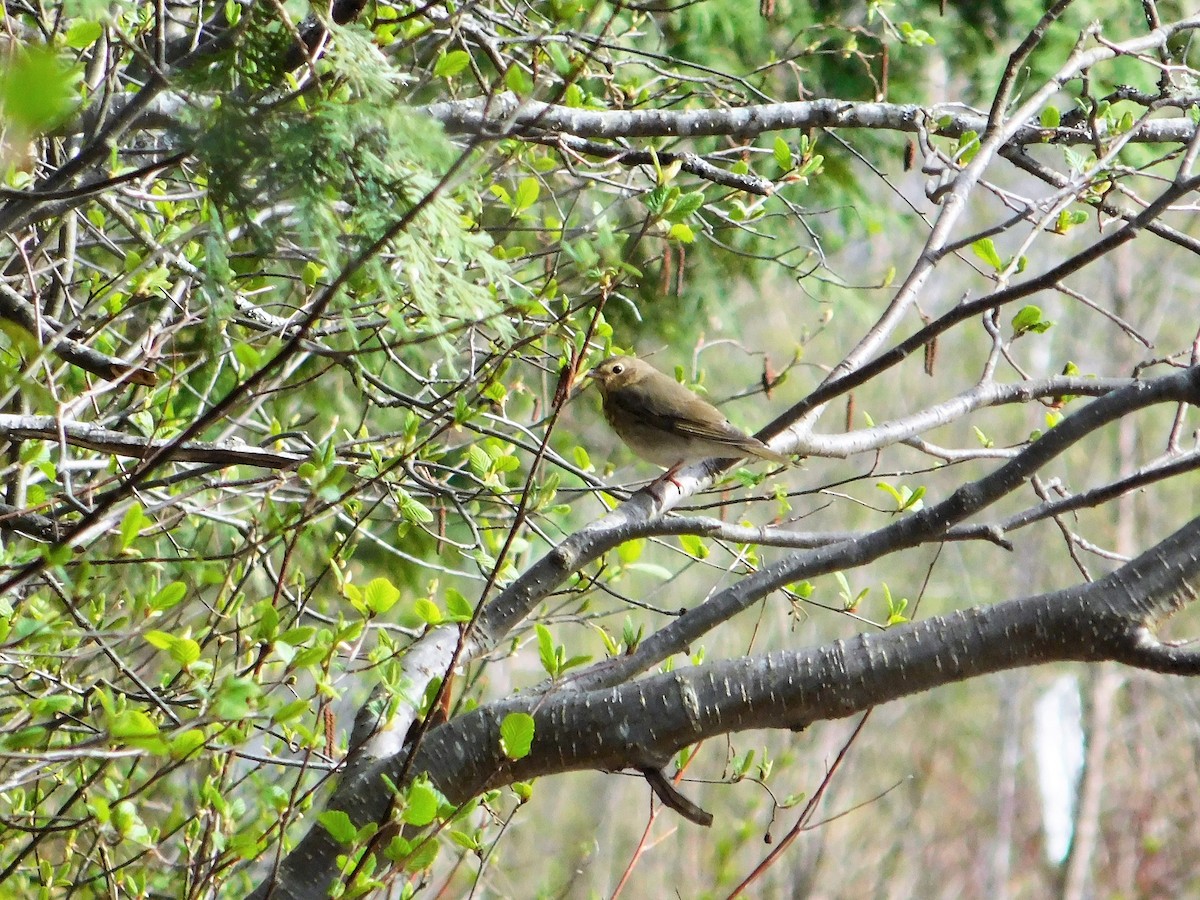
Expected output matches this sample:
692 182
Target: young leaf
458 606
170 595
985 249
131 525
428 611
546 650
339 826
450 64
783 154
516 735
380 595
421 804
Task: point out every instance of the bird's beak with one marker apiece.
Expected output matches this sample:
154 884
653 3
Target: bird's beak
582 383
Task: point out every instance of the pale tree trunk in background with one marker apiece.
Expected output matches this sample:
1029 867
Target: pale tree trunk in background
1000 863
1078 879
1100 702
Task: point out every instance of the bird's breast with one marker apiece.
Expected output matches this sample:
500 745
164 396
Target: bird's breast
650 442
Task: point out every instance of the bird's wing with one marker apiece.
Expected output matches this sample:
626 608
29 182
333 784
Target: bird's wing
673 408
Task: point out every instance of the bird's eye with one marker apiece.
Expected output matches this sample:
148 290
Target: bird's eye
618 369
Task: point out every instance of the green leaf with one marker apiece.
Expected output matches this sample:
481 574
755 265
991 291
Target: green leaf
428 611
464 840
186 743
895 607
783 154
652 569
236 698
505 463
290 711
397 849
458 606
527 194
892 492
450 64
546 650
339 826
517 81
631 551
574 661
516 735
1051 117
693 546
426 853
131 525
24 738
1027 319
131 725
968 146
412 509
158 639
558 58
656 199
36 89
421 804
686 204
985 249
311 273
83 34
297 637
380 595
478 460
682 233
184 651
170 595
50 706
1068 219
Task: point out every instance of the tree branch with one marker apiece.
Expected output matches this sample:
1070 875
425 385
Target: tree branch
49 333
643 723
106 440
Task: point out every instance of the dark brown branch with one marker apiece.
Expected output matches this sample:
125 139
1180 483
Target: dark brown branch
49 334
927 524
30 524
105 440
970 309
1018 57
672 799
688 162
632 725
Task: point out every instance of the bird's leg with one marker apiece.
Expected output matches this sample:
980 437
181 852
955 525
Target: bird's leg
669 475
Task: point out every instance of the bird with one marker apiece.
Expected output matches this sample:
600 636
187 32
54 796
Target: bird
664 423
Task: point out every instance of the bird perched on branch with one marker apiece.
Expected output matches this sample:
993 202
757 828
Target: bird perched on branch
666 424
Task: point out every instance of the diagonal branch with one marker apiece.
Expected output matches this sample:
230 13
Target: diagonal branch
49 334
927 524
643 723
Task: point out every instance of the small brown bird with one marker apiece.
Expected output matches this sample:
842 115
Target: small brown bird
663 422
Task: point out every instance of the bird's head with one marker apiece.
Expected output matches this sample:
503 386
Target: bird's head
617 372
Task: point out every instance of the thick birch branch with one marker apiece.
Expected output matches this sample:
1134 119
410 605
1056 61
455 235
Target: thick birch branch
643 723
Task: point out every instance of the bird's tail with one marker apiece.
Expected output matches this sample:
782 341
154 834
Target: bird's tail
755 447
